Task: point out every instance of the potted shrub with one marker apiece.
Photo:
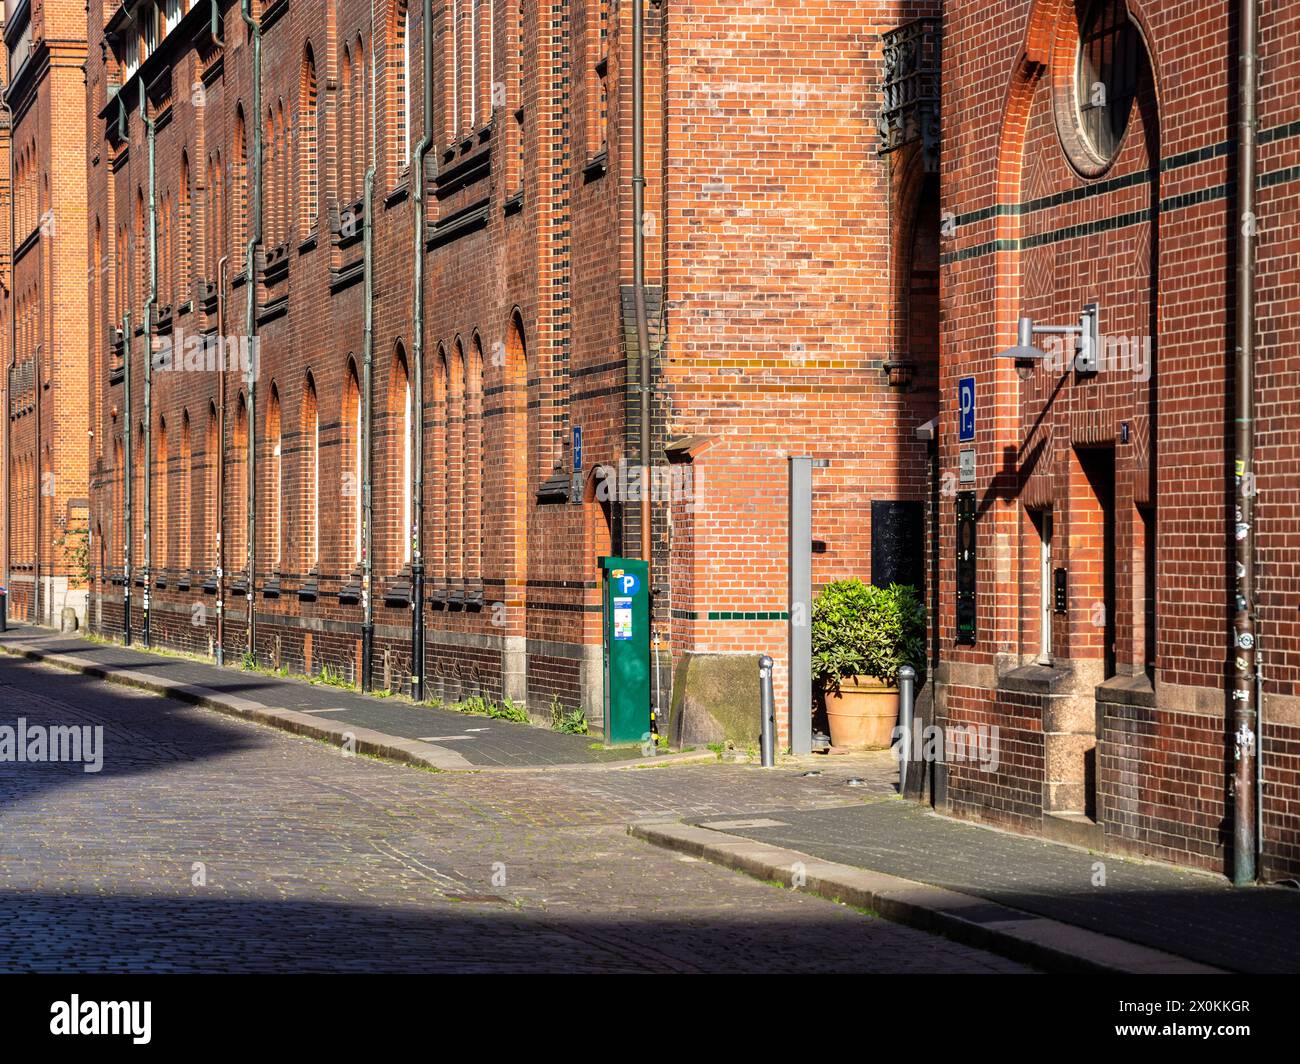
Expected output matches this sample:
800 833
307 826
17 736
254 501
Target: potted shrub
861 636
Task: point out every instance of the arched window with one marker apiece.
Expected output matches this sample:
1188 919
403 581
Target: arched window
137 499
1111 57
521 430
286 197
120 295
451 71
483 73
274 480
162 502
456 457
345 130
141 247
439 500
239 200
473 506
311 476
309 164
401 66
236 524
97 295
404 481
119 507
360 119
184 498
353 467
185 291
270 183
212 468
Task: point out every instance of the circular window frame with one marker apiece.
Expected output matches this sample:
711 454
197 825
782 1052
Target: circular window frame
1075 142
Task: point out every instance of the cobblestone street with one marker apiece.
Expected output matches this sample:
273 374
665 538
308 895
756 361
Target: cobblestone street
210 844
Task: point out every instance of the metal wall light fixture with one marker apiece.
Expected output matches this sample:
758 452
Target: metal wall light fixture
1087 345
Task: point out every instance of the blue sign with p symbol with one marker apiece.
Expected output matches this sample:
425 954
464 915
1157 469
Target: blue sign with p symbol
628 584
966 409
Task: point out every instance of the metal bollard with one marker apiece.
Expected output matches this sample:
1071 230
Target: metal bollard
769 711
4 610
906 701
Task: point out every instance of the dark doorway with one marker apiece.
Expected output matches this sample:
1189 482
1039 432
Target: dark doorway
1099 467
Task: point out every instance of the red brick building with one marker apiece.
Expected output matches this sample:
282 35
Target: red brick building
1090 157
43 523
791 309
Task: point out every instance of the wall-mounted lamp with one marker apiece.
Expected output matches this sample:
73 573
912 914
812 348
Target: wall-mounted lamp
1086 348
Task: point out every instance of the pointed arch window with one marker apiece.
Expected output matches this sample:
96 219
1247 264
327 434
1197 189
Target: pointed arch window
311 475
308 138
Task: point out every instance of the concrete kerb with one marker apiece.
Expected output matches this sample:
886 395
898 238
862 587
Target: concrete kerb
1046 944
363 740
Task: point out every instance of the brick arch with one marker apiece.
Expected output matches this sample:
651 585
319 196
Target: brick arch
401 460
350 460
309 169
309 429
184 526
438 508
910 183
475 488
272 479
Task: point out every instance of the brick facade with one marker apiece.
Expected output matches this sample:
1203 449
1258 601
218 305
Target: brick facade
770 283
46 401
1120 719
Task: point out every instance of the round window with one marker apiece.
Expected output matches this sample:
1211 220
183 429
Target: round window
1111 58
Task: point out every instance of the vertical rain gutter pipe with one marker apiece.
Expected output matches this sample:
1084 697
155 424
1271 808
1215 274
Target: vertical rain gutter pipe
416 531
13 338
368 387
220 459
638 279
149 305
1244 651
128 450
250 322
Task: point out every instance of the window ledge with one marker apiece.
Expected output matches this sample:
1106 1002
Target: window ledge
401 192
1128 690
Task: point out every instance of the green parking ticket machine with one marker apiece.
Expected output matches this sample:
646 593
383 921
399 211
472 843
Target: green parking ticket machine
627 649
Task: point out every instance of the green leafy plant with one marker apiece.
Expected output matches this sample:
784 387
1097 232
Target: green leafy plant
570 722
74 542
332 677
508 710
860 630
249 661
475 705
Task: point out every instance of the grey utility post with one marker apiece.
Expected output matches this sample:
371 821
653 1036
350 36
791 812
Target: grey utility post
906 705
800 605
768 731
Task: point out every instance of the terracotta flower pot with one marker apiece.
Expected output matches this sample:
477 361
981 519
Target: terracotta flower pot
863 715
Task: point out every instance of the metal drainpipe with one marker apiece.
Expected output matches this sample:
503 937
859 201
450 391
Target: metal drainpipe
150 303
367 405
367 382
13 341
128 518
127 448
1245 709
638 278
417 371
250 322
221 460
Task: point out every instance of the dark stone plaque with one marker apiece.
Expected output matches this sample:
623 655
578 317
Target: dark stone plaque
898 543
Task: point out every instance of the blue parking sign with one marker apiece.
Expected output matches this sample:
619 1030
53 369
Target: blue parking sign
966 409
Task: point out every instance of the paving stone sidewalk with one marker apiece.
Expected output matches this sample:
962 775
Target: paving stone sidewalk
480 741
1191 914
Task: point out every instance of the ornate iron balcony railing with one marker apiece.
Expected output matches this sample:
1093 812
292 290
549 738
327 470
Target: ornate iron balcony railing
911 89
